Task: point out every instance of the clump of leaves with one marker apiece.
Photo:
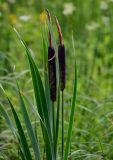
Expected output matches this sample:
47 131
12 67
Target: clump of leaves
47 99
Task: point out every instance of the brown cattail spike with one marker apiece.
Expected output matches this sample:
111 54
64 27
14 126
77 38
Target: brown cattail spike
52 72
62 68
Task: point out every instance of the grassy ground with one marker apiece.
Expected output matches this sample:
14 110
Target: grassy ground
91 24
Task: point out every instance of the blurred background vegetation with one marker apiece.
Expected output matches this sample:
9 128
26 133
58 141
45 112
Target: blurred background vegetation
91 24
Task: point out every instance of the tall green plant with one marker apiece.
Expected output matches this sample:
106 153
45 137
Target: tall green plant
45 95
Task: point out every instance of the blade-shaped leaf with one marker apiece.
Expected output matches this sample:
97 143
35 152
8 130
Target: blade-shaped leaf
8 120
41 101
21 154
11 126
21 133
45 133
68 141
29 129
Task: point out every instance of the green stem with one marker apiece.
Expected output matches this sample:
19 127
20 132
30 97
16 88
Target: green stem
62 125
57 121
54 135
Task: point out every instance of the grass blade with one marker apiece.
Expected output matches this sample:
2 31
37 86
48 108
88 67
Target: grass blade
11 126
21 154
29 129
21 133
68 141
8 120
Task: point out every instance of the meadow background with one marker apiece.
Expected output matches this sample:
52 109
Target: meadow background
91 24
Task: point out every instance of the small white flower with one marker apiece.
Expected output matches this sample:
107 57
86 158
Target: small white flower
0 14
103 5
68 8
11 1
105 20
92 26
25 18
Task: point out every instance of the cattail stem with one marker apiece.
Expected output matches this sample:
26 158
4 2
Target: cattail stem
57 120
49 18
54 130
53 109
62 125
59 30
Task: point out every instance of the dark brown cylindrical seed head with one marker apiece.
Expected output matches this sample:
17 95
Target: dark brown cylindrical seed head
61 57
52 72
62 67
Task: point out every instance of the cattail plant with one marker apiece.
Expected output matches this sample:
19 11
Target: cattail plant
28 141
62 74
52 79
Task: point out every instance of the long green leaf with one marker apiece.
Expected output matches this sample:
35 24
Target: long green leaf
21 154
41 102
21 133
29 129
32 107
45 133
8 120
68 141
11 126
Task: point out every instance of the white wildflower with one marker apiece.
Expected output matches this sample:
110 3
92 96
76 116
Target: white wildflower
25 18
103 5
105 20
92 26
0 14
68 8
11 1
